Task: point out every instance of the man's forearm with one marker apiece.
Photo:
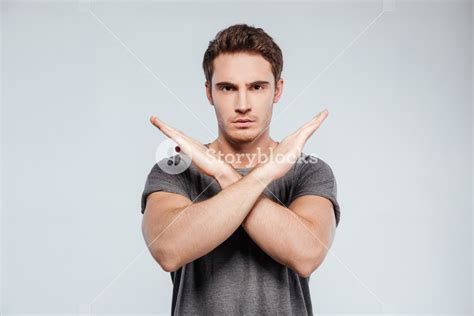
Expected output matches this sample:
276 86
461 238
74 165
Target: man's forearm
277 230
200 227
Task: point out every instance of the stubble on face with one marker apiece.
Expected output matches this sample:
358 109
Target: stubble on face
243 87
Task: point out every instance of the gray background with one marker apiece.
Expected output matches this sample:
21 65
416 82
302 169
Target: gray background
78 87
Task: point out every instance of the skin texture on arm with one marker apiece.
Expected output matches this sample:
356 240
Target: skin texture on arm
178 231
289 237
298 236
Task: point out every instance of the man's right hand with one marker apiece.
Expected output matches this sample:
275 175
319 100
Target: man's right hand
203 158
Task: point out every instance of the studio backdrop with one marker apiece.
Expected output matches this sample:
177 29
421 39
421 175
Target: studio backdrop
80 80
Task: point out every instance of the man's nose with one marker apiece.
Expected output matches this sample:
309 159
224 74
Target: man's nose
243 104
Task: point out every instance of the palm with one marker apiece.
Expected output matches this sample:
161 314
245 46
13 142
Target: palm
289 150
202 157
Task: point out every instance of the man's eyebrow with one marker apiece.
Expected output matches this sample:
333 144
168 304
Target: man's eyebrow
230 84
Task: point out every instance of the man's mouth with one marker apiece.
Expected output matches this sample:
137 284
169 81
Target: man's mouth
243 120
242 123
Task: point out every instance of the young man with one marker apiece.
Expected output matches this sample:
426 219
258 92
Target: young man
241 237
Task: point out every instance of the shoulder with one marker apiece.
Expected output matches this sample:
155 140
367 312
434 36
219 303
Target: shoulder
312 164
171 167
314 176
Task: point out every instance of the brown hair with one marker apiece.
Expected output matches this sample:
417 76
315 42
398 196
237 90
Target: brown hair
243 38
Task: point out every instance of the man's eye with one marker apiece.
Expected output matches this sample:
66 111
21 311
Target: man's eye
259 86
223 88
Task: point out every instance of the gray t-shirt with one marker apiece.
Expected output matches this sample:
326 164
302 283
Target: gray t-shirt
237 277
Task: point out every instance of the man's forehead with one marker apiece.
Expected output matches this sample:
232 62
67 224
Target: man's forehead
241 68
236 81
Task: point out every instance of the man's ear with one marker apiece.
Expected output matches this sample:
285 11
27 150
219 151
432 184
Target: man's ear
278 90
209 92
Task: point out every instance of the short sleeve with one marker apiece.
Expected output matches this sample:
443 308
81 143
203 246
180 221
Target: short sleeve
159 180
314 176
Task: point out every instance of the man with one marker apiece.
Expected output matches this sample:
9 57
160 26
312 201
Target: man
241 237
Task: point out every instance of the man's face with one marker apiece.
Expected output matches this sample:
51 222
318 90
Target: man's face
243 87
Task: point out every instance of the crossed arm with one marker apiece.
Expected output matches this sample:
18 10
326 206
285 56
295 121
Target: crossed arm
178 231
298 236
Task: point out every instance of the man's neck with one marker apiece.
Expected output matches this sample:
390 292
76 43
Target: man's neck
243 155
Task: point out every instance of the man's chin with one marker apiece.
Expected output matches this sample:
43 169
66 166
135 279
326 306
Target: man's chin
243 137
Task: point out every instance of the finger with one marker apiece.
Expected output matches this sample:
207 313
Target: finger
309 123
162 126
173 130
166 129
318 119
183 141
179 137
309 128
157 122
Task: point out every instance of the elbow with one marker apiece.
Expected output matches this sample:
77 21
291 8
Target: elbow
164 252
167 261
304 271
306 265
168 266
